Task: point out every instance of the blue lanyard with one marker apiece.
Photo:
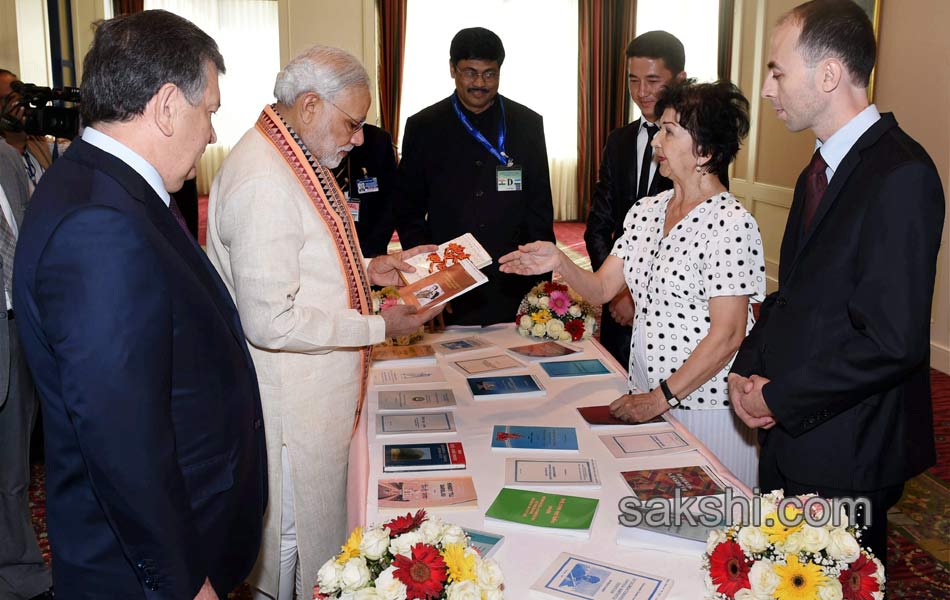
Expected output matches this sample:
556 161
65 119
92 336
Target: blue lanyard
499 152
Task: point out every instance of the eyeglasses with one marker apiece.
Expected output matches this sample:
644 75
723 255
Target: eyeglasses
472 75
355 124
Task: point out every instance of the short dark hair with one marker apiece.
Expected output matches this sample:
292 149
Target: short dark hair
838 28
716 115
476 43
662 45
8 72
132 56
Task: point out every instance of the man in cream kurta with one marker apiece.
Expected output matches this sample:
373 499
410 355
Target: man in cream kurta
280 234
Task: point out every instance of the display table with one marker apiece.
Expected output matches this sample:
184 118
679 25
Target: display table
524 556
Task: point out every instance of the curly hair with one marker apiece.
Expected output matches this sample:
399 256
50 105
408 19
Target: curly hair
716 115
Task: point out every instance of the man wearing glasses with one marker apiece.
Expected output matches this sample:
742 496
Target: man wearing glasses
281 236
476 162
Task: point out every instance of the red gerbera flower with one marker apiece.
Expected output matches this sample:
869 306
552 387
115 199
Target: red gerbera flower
401 525
423 574
729 568
575 327
858 582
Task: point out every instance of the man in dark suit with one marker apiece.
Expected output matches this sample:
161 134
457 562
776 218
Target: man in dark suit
367 175
477 162
23 573
628 172
155 448
836 369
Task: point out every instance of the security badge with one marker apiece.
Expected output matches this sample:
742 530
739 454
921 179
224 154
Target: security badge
508 177
364 185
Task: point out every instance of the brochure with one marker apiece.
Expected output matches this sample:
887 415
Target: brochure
543 512
461 345
552 472
410 376
599 417
441 286
416 400
450 253
414 423
543 350
423 457
575 368
573 577
693 481
440 492
421 355
509 386
484 542
522 437
629 445
477 366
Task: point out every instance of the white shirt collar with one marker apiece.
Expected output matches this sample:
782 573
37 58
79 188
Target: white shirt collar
644 124
129 157
834 149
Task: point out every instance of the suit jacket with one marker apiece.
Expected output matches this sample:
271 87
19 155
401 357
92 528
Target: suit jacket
154 434
616 191
447 187
16 189
845 340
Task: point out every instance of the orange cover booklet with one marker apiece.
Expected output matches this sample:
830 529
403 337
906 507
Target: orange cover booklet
435 492
442 286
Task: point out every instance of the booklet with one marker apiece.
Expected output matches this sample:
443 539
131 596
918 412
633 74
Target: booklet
415 399
574 577
421 355
423 457
461 345
599 417
543 350
630 445
415 423
450 253
693 481
543 512
410 376
521 437
552 472
484 542
575 368
509 386
683 538
477 366
439 492
441 286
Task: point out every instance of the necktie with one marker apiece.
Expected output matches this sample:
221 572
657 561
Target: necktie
7 247
644 185
816 181
176 212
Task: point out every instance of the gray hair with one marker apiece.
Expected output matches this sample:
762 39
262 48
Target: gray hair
323 70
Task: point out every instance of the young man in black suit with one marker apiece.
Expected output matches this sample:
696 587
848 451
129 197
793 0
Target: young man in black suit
628 172
836 370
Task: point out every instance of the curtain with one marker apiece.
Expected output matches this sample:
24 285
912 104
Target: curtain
127 7
724 62
392 49
605 27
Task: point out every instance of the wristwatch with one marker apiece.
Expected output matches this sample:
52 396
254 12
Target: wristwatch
672 400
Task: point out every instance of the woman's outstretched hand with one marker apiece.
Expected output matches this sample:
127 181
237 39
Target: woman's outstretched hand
531 259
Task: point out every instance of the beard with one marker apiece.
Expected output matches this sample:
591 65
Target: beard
323 148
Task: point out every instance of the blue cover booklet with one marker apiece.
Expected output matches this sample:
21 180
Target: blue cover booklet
520 437
575 368
506 386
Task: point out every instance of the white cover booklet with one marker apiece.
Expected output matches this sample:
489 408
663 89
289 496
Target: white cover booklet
390 400
448 254
552 472
415 423
575 577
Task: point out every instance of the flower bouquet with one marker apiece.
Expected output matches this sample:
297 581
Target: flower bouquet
410 557
554 311
384 298
790 559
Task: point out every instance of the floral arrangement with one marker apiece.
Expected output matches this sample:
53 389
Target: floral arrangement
384 298
554 311
773 561
410 557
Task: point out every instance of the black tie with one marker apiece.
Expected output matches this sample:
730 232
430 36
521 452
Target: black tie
644 185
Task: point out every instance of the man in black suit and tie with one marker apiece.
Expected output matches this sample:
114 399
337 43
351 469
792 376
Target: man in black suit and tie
155 451
836 370
628 172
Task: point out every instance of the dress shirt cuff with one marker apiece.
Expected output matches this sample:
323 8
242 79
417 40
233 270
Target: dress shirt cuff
377 329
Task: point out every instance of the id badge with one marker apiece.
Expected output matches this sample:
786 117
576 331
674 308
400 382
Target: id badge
508 179
354 205
367 185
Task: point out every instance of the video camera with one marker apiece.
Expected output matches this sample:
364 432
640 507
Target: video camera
44 111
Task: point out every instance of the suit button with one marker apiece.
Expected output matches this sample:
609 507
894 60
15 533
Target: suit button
479 194
781 301
258 423
478 163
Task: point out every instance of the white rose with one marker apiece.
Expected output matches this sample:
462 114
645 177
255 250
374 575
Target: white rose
453 534
355 575
533 300
752 539
544 302
432 530
843 546
375 543
831 590
768 505
554 327
524 332
388 587
367 594
879 573
815 538
525 322
574 310
404 543
564 336
794 543
538 330
716 537
589 323
463 590
488 574
763 579
328 577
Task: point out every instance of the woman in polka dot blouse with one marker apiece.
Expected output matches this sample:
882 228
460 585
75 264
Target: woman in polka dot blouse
692 259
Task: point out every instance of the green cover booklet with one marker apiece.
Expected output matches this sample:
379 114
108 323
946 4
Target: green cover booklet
555 513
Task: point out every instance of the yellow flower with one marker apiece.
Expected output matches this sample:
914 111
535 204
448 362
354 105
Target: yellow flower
798 581
351 549
542 316
777 531
460 565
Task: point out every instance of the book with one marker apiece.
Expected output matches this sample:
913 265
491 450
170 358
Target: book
599 417
575 368
460 345
423 457
629 445
683 538
536 511
415 400
573 577
554 472
505 387
420 355
414 423
543 350
441 286
408 376
438 492
451 252
477 366
521 437
484 542
692 481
